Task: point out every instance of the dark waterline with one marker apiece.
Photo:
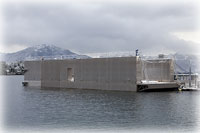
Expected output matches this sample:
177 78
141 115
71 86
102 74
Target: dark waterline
30 108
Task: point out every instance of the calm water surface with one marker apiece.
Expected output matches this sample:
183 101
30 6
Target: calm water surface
34 108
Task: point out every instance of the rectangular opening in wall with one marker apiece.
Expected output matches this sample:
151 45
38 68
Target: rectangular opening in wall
70 74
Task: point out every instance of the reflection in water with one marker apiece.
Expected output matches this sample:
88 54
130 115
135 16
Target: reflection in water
29 108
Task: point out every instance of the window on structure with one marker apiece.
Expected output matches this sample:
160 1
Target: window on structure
70 74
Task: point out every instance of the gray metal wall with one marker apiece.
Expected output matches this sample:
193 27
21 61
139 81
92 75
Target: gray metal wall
33 70
120 73
51 74
99 73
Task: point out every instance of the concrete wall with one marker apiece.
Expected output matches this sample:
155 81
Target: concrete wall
100 73
139 70
33 74
50 76
33 70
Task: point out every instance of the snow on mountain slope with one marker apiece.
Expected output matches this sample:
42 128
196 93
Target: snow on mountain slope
40 51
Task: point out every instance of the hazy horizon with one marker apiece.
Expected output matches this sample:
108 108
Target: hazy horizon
107 54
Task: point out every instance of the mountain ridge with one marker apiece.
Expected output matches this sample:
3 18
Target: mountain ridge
47 52
40 51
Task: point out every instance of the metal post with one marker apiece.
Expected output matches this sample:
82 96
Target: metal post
190 77
136 52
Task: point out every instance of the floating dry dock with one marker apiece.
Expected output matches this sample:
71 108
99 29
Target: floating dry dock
118 73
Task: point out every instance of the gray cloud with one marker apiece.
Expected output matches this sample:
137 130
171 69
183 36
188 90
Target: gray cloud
100 27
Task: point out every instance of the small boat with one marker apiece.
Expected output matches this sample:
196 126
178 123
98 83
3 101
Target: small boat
189 89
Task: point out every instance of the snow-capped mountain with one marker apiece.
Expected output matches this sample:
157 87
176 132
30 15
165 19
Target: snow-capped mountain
41 51
183 63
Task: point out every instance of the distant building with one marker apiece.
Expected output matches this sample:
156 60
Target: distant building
186 79
3 68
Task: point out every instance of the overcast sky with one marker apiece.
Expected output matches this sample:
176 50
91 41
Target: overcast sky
88 27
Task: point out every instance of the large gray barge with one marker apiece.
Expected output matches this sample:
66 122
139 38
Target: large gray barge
118 73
